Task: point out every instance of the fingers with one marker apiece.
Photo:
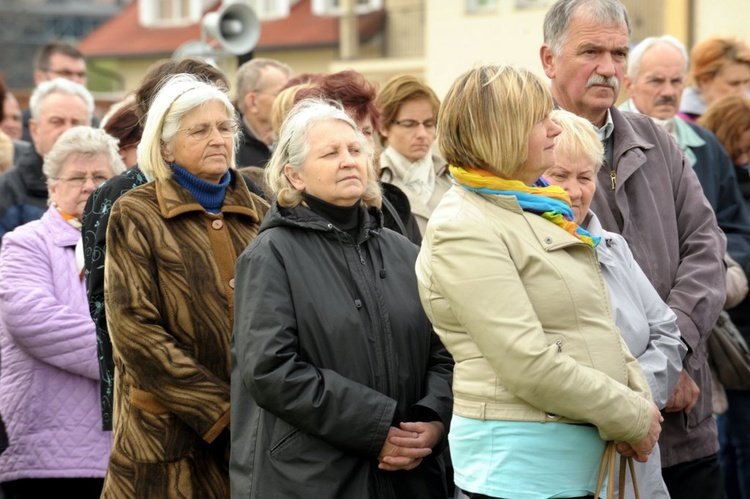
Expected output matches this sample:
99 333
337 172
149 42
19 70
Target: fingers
390 467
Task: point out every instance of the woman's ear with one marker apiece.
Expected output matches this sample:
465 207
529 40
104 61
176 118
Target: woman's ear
166 153
294 177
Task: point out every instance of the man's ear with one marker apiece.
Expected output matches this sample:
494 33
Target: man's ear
548 61
627 84
249 101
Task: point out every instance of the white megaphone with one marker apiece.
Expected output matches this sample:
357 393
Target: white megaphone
235 26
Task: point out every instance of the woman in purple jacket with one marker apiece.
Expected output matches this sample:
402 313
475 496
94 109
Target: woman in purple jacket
49 383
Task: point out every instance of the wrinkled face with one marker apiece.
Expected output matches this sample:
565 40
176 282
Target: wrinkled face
541 151
11 122
209 157
578 177
413 131
78 178
63 66
586 75
658 86
742 156
57 113
258 103
732 79
335 169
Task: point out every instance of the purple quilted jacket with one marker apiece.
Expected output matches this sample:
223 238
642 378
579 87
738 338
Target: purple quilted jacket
49 381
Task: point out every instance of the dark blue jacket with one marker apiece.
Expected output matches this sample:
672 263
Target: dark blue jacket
23 190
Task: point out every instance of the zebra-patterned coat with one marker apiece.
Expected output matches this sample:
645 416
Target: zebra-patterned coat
169 282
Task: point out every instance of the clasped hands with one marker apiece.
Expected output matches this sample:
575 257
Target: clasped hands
407 445
683 398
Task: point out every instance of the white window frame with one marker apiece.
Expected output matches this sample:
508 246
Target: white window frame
268 10
480 6
149 14
333 7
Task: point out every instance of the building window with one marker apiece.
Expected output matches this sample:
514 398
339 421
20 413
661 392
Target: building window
165 13
473 6
525 4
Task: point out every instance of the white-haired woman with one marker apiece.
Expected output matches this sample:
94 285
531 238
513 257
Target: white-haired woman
49 390
647 324
340 388
169 294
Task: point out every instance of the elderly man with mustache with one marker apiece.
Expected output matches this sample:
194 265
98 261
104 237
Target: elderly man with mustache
656 77
648 193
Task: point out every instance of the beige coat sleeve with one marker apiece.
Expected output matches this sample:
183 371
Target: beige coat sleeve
737 286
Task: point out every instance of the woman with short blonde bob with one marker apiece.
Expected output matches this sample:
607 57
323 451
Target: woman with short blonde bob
512 287
340 388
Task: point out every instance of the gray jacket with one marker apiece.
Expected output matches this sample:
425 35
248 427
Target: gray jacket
674 237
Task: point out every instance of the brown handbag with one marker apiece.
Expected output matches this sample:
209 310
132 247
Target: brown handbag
609 459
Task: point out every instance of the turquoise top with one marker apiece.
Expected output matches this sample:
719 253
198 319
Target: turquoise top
525 460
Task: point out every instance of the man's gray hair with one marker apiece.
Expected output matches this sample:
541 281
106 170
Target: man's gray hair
82 141
558 18
249 77
59 86
634 58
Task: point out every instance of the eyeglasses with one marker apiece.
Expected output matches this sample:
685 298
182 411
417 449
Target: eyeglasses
412 124
201 132
65 73
80 180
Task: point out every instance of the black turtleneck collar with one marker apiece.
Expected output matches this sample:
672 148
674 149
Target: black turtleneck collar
344 218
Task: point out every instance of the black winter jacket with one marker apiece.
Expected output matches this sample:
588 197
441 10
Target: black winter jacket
331 347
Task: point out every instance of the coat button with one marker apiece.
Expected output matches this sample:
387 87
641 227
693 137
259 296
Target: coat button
231 283
217 224
548 240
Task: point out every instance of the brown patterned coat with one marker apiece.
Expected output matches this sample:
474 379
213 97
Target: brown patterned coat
169 283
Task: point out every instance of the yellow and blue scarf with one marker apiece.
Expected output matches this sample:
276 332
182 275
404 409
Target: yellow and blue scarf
548 201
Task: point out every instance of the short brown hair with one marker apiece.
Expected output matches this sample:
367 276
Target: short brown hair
397 91
160 70
348 87
487 116
728 118
46 51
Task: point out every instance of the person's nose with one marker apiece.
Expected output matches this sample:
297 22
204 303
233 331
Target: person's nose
89 185
606 66
553 129
573 188
215 136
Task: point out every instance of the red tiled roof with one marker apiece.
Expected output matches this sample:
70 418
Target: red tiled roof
123 36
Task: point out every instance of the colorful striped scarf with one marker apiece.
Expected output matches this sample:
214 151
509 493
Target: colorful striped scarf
548 201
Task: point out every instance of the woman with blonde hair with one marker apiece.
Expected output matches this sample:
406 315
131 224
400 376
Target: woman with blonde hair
340 388
512 287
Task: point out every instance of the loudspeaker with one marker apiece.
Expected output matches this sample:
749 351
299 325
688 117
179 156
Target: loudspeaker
235 26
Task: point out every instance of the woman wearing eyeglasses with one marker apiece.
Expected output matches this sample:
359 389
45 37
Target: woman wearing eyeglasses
169 294
409 111
49 383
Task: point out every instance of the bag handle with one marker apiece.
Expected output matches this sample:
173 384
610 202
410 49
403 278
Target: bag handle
607 468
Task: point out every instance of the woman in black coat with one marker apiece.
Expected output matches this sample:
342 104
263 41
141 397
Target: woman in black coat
340 388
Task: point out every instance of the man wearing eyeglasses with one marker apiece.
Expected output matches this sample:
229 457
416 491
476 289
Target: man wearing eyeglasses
56 60
56 106
258 83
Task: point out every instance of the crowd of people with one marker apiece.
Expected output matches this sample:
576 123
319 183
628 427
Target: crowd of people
333 289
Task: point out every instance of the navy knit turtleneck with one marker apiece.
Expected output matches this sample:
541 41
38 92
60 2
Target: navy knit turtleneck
209 195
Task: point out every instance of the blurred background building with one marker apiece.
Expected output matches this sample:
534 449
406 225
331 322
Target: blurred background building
433 39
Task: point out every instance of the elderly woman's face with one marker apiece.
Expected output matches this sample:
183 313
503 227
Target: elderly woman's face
208 158
335 169
413 131
78 178
578 178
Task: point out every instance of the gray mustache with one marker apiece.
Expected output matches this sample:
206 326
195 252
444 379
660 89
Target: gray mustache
665 100
596 79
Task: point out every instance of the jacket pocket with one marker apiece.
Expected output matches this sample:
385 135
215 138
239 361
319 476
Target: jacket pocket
149 433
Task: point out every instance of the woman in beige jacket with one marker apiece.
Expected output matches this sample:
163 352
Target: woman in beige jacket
512 286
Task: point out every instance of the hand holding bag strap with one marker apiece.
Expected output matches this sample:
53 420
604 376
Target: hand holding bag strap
607 467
